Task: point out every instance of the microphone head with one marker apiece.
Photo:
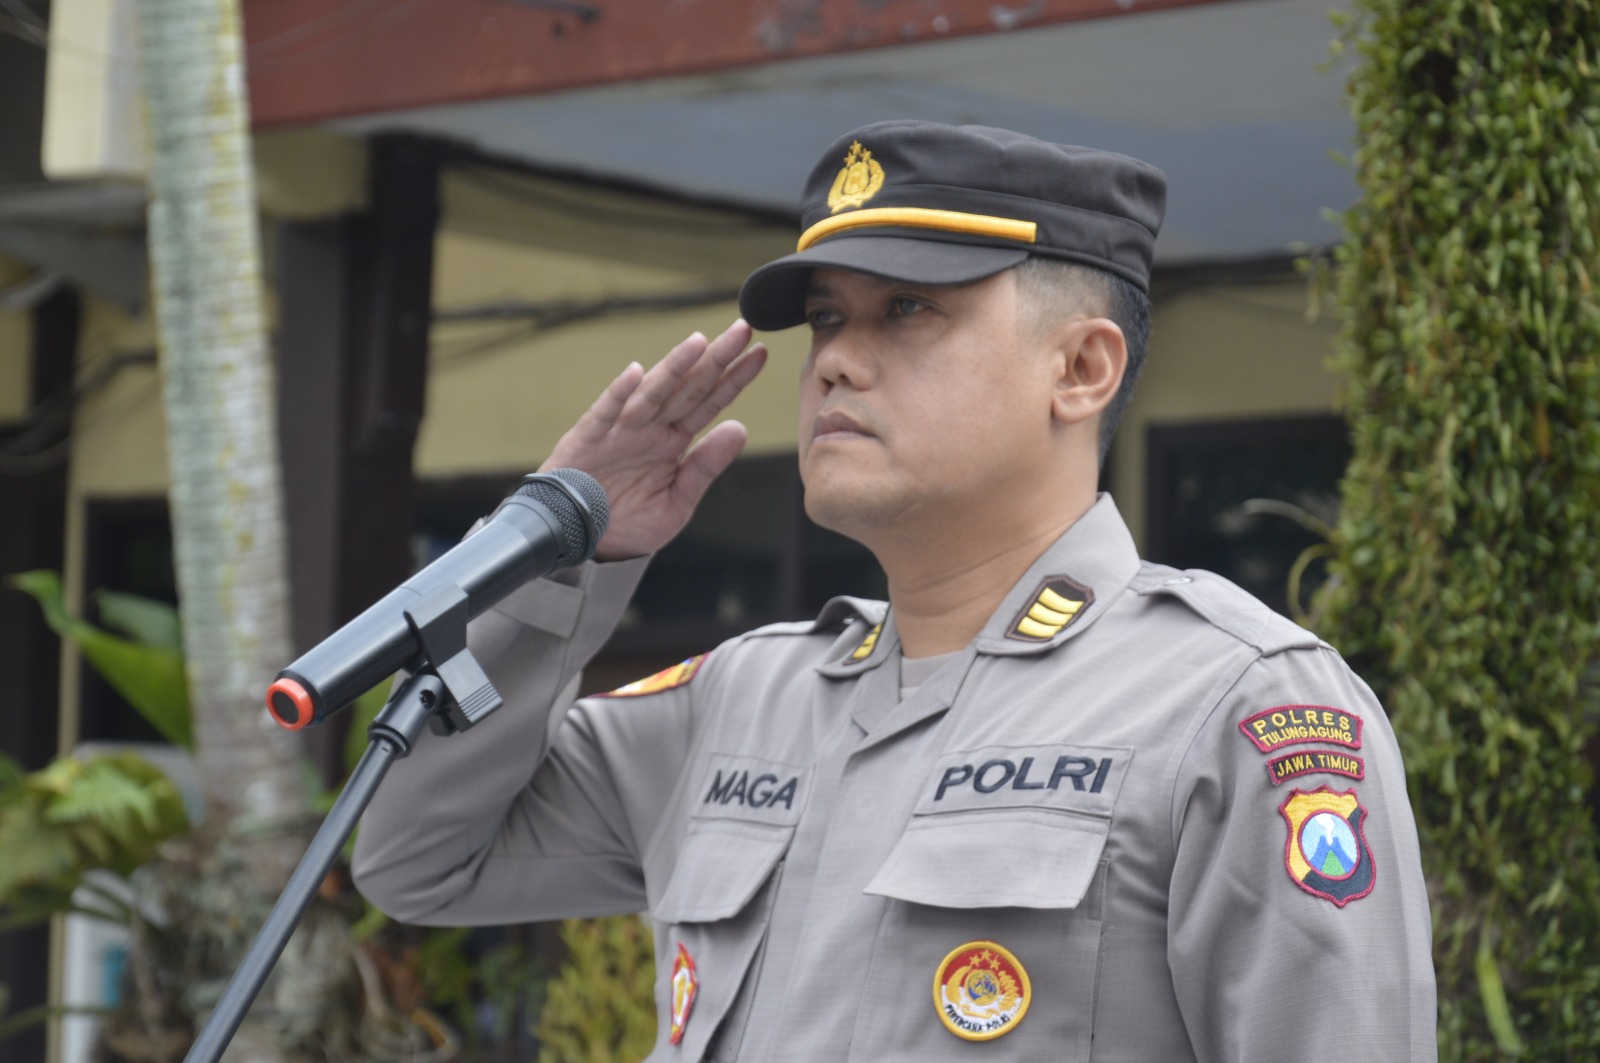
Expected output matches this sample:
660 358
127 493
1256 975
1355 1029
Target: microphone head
580 506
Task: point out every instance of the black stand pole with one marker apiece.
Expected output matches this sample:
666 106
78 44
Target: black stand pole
393 734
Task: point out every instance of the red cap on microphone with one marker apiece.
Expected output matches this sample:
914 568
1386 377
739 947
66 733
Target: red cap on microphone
289 703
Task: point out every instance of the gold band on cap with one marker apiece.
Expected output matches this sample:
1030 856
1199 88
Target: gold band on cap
923 218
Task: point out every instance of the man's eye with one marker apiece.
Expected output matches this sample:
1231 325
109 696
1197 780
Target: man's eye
905 306
819 318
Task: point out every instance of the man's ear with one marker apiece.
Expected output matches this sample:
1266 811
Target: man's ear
1092 356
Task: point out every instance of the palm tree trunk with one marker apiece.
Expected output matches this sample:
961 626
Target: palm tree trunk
227 508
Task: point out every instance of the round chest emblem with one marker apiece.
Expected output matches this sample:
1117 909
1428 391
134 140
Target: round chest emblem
981 991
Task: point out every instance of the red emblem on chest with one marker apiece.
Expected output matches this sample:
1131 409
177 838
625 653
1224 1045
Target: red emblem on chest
981 991
685 987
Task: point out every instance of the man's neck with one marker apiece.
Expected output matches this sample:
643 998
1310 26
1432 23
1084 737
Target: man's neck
945 588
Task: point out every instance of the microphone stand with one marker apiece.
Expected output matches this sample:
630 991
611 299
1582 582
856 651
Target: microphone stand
428 696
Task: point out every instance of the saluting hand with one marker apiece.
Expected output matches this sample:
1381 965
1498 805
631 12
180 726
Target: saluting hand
636 438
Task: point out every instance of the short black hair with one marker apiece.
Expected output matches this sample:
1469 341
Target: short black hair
1052 287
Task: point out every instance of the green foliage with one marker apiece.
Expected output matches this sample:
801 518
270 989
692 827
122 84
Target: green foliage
146 668
145 620
600 1007
112 812
513 978
509 977
107 813
1466 583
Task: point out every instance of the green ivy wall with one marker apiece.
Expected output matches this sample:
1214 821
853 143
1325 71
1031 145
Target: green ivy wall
1465 582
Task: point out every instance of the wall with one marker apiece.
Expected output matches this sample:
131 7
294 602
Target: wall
1221 353
500 396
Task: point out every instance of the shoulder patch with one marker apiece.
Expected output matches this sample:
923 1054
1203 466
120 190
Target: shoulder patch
1293 765
666 679
1288 725
1326 853
1054 606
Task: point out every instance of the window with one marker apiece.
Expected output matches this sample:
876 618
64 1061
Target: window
127 548
1200 478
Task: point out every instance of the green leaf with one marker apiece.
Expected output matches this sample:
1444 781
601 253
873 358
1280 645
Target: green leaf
45 588
145 620
36 853
371 921
1497 1010
150 678
74 816
107 796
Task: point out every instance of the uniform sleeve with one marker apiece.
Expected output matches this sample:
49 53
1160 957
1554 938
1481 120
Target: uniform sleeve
540 811
1298 918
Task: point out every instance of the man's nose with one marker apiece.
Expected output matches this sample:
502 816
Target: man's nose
845 359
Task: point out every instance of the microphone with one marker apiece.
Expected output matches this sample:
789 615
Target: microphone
552 520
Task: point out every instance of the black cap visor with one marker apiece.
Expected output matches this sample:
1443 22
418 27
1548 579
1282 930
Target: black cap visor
774 296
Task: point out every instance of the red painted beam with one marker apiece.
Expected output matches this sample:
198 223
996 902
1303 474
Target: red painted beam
312 60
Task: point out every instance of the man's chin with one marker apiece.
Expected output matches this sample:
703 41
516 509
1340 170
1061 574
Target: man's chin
853 510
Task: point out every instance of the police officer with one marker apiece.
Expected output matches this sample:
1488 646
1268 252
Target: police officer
1047 803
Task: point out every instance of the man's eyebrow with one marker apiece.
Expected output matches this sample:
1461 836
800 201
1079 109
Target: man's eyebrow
819 291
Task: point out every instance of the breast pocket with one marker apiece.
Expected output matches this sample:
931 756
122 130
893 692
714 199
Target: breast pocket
990 941
711 924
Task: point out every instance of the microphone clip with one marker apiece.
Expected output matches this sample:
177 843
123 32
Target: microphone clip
440 624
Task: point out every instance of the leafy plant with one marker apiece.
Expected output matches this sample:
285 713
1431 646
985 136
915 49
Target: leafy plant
144 664
1466 581
115 812
105 813
600 1007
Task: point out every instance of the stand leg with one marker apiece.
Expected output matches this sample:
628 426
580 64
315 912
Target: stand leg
393 735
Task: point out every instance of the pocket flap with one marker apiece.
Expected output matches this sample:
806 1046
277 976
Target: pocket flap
1016 858
721 866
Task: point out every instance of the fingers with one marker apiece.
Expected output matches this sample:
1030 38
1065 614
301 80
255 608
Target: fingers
706 461
703 377
737 377
662 379
599 418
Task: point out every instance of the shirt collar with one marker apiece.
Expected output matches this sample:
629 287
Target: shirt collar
1089 566
1067 589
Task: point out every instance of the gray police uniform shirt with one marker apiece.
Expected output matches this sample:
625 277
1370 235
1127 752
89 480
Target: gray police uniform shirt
1141 817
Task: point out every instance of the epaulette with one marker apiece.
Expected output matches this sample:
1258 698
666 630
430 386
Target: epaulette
1226 606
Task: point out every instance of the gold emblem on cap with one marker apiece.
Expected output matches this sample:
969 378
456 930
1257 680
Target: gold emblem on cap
858 182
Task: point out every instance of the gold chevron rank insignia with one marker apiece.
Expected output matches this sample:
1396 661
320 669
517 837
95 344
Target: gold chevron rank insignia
863 651
1055 605
666 679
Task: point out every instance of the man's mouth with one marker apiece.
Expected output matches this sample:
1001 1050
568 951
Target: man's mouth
837 426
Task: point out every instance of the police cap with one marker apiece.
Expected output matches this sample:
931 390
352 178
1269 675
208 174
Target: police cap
940 204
